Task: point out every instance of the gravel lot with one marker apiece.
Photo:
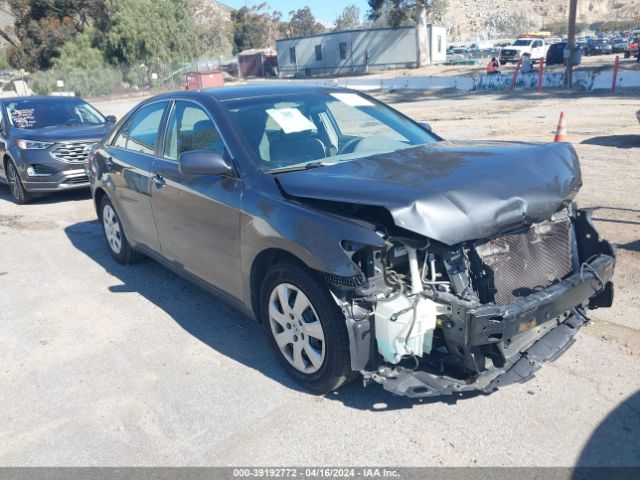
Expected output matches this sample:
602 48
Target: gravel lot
104 365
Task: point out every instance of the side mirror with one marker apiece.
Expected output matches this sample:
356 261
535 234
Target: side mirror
426 126
204 162
111 119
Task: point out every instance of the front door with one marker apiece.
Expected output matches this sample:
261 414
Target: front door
197 217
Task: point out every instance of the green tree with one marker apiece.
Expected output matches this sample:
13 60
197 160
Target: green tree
43 26
349 19
153 32
80 53
303 23
255 27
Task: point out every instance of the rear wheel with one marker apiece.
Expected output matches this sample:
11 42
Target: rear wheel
117 242
18 192
306 328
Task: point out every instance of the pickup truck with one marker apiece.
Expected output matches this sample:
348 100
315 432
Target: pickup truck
534 47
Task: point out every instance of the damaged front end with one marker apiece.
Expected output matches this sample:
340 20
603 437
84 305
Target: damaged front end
428 319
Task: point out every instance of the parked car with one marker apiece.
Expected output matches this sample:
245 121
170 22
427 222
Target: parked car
534 47
459 51
632 46
555 54
598 47
364 243
45 141
619 45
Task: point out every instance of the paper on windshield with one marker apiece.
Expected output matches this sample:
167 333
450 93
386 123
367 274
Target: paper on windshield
352 99
21 118
290 120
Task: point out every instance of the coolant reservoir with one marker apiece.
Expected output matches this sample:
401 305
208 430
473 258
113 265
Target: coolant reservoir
391 335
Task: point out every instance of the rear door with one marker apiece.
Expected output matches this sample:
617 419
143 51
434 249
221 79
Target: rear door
198 217
128 162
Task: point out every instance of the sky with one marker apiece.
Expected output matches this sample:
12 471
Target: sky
325 11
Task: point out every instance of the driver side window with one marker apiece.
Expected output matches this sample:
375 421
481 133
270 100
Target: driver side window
191 128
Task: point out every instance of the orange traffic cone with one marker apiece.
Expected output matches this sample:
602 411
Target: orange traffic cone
561 131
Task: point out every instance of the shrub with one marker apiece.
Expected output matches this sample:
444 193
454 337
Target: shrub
84 82
82 68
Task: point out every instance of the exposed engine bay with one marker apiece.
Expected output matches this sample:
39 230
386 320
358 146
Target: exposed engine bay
428 319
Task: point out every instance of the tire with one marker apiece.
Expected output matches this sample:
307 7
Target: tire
311 329
627 54
18 192
114 235
502 62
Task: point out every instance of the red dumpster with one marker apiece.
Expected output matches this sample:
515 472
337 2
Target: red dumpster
196 80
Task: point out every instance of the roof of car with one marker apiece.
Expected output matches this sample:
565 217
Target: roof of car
44 98
250 91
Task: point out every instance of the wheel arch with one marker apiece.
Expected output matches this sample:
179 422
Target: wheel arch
5 161
99 194
261 265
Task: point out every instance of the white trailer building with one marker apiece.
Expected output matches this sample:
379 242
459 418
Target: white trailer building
358 51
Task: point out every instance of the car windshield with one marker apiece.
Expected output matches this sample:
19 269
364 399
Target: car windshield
33 114
522 43
287 132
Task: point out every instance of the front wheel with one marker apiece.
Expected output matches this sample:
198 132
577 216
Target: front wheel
18 192
117 242
306 328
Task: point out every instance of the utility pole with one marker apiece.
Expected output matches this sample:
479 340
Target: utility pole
571 42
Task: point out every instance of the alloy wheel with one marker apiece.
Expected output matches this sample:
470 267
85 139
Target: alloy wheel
296 328
112 229
14 181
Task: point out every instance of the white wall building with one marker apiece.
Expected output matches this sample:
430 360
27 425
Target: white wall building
357 51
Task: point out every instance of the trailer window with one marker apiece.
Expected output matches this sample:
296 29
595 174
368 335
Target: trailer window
343 50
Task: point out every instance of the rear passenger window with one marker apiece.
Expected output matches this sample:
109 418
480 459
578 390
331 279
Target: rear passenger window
140 134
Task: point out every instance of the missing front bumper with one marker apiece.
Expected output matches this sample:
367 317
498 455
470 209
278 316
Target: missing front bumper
420 384
539 328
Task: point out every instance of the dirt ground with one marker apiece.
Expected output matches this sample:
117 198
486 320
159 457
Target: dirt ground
110 365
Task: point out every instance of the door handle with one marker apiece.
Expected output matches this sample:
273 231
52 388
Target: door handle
108 164
158 180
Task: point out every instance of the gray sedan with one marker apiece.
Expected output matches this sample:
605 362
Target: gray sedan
365 244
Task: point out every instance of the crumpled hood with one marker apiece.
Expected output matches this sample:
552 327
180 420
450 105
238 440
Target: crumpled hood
449 191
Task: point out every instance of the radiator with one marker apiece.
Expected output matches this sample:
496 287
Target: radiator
516 265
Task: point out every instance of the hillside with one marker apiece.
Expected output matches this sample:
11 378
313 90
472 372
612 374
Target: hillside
482 19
